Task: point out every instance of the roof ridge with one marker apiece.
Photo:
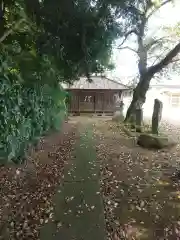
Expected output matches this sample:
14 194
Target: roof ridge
112 80
98 82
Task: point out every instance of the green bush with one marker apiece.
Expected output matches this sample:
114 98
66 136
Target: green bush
26 113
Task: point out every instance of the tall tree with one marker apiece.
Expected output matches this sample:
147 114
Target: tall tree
79 34
143 10
76 35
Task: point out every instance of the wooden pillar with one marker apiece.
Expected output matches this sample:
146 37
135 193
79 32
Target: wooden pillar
79 95
103 101
94 102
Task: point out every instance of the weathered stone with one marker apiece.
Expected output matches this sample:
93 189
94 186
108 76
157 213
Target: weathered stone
118 115
156 142
157 115
121 107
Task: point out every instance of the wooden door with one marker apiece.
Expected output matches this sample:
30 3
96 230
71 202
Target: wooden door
99 102
109 102
87 100
73 102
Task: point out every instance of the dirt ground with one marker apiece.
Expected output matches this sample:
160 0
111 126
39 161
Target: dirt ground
141 200
26 191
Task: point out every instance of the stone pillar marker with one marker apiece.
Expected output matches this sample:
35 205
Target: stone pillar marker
157 115
119 107
119 111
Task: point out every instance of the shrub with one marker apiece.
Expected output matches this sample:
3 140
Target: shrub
26 113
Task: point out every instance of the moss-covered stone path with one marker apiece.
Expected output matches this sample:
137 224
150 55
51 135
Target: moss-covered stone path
78 212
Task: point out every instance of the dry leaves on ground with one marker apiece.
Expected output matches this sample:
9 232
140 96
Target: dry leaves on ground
141 201
26 192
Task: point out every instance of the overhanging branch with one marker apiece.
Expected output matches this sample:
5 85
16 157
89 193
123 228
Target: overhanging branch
165 61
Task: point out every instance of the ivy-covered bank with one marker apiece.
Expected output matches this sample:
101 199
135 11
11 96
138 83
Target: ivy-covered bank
26 113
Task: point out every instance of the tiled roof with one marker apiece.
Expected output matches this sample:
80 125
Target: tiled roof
98 82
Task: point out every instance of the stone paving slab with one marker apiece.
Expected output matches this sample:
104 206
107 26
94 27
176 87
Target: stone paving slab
84 166
82 171
79 212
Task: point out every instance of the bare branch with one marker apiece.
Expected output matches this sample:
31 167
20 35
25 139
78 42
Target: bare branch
127 35
175 60
157 58
129 48
152 57
160 55
148 5
157 8
165 61
153 42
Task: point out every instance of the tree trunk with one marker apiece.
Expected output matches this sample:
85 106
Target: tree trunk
2 18
139 94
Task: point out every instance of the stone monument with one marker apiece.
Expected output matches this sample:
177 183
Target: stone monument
157 115
119 108
155 141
